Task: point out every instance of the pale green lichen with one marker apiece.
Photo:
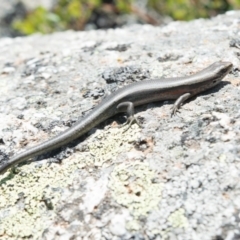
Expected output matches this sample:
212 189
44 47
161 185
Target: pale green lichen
132 186
105 149
133 225
222 158
23 209
178 219
22 198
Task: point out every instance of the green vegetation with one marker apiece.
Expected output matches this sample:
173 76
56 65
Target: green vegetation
187 9
40 20
75 14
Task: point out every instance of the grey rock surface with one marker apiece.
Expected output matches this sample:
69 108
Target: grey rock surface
176 178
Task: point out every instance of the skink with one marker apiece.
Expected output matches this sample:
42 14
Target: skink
125 99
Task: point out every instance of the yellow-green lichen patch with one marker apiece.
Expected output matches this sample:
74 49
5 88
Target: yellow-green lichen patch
27 199
108 144
133 186
175 220
178 219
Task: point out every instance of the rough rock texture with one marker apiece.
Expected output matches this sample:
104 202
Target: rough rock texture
176 178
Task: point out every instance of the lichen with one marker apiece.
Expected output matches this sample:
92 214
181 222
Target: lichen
132 186
107 145
24 211
28 199
178 219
